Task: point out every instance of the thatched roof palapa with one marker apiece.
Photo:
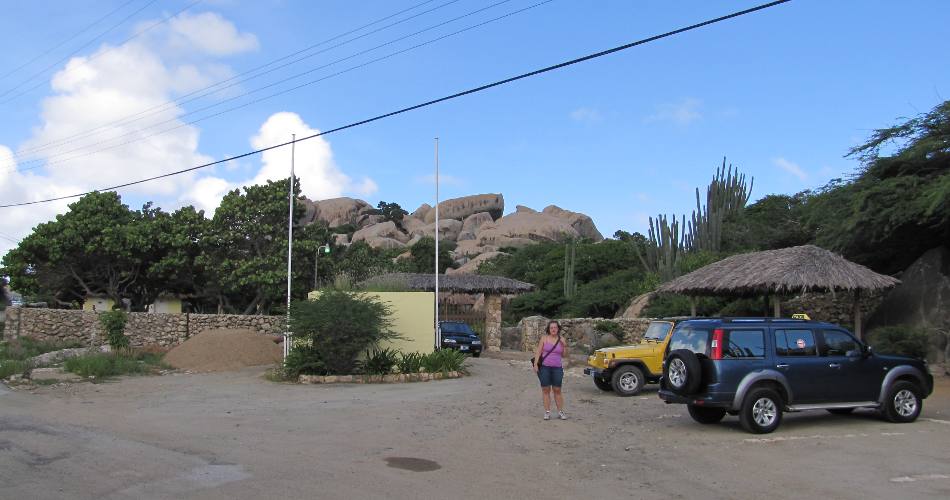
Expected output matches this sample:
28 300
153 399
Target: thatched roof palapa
789 270
462 283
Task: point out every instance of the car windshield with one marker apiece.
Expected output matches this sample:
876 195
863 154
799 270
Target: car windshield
457 328
657 331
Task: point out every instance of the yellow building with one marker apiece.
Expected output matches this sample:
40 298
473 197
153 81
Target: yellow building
413 319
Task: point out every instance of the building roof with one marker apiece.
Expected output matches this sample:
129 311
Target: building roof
788 270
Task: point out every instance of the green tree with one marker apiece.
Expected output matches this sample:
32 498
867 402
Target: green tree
391 211
422 256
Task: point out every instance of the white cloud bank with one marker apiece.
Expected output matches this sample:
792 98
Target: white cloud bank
680 113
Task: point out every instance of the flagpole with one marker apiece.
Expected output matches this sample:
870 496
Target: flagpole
438 336
290 241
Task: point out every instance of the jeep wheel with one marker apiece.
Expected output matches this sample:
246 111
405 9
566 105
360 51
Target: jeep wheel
705 415
682 371
902 403
603 384
761 411
627 380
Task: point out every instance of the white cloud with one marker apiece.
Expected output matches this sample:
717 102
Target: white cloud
366 187
209 33
586 115
680 113
206 194
791 168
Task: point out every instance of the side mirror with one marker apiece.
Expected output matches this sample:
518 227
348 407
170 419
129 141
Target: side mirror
866 350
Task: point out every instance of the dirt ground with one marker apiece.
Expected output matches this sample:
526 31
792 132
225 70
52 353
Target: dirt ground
235 435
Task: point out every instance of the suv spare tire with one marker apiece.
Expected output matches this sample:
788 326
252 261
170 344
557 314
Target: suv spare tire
682 371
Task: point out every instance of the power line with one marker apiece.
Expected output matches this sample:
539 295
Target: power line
64 42
94 56
429 103
131 133
184 99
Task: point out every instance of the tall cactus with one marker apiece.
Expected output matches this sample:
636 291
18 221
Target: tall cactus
726 195
570 256
665 249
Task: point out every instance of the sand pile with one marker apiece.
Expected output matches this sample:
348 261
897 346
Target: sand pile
223 350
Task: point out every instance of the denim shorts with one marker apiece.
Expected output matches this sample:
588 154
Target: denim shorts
550 375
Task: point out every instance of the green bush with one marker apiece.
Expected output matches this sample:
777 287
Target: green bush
104 365
338 326
443 360
380 362
903 341
10 367
23 348
410 362
113 322
609 327
303 360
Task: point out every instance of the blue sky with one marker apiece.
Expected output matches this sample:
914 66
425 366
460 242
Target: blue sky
782 93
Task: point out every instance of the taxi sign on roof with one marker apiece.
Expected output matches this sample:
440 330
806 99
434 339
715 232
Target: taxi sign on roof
801 316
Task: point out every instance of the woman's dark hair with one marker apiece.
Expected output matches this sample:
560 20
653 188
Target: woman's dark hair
547 329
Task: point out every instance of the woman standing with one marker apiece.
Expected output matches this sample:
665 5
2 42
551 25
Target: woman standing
552 348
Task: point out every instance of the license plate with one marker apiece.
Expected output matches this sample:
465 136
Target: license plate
463 347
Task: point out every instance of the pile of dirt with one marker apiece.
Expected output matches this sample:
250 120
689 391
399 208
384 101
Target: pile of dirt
223 350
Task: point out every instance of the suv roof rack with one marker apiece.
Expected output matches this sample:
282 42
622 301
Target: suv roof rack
749 319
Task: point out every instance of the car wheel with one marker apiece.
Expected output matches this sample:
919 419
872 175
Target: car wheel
705 415
903 403
841 411
627 380
761 411
682 371
603 384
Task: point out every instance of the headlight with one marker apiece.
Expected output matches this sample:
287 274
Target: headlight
448 341
476 342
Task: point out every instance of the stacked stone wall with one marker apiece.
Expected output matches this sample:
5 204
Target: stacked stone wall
143 329
580 332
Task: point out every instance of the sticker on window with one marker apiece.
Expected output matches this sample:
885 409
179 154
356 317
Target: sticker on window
800 343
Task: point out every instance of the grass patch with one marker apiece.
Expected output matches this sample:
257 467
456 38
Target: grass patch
114 364
10 367
24 348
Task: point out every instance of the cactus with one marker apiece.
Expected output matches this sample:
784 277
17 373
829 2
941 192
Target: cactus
570 256
726 195
663 253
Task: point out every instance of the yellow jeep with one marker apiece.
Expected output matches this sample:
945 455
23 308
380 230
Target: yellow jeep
626 369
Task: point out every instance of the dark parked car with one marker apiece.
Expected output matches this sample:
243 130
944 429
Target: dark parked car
458 335
758 368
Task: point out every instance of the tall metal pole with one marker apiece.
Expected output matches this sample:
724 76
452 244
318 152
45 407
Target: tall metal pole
438 336
290 240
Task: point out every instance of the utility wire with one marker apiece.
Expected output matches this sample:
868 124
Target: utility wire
94 56
427 103
176 119
64 42
202 91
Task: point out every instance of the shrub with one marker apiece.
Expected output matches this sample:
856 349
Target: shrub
410 362
443 360
23 348
339 326
613 327
104 365
113 322
903 341
303 360
10 367
380 362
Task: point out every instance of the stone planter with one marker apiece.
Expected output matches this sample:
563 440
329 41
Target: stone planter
377 379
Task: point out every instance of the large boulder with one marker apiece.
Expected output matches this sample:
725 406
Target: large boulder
448 229
336 212
410 223
525 226
637 305
583 224
386 229
460 208
420 213
384 242
472 265
921 300
471 248
368 220
340 240
475 221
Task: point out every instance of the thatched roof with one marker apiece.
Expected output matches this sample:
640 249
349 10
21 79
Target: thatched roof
788 270
463 283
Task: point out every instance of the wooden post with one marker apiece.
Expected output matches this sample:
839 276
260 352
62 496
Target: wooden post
692 306
777 306
857 315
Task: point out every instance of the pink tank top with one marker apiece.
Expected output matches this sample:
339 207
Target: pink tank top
554 359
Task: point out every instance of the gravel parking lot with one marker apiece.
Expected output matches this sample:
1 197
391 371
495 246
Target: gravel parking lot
235 435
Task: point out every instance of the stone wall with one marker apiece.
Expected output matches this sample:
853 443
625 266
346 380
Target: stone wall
580 332
143 329
837 308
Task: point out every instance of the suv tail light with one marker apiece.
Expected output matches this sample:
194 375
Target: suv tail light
716 345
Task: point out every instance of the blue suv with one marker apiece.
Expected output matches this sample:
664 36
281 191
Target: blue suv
758 368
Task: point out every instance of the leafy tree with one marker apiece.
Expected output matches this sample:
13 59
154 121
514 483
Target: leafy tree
422 256
391 211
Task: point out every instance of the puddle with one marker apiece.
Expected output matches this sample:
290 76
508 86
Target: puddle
412 464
